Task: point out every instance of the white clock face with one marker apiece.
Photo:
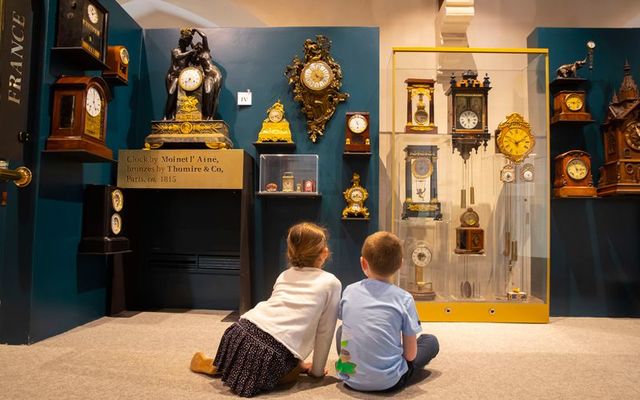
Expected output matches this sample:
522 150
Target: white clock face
528 172
507 174
357 196
93 103
468 119
92 12
577 169
117 200
421 256
275 115
116 223
190 79
317 75
357 123
124 55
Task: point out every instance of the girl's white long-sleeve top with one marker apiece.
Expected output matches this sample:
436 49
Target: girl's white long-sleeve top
301 313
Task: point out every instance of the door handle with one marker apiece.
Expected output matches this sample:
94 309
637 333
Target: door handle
21 176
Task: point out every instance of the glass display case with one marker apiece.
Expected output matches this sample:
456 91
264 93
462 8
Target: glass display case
288 175
470 189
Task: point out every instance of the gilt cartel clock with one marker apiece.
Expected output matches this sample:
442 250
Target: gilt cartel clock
79 117
514 138
118 65
573 175
421 183
102 226
620 173
316 82
355 197
357 137
82 32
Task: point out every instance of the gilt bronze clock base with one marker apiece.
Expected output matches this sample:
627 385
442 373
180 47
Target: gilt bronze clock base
212 134
422 291
412 209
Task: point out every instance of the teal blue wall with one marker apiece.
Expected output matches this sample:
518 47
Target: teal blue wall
595 257
68 290
255 59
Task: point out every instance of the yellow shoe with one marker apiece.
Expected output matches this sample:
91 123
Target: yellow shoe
203 364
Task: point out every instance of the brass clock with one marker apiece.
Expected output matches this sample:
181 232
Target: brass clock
514 138
355 197
316 82
275 127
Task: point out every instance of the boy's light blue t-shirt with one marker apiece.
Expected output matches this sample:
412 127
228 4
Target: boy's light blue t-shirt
374 316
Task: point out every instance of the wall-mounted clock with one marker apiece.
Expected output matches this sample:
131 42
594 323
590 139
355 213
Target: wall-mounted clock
79 117
82 32
573 175
316 83
514 138
570 105
118 63
357 137
102 226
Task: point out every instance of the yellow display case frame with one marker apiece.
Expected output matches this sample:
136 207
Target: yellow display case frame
443 311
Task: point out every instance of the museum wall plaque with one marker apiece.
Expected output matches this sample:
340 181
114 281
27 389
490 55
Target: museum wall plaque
180 169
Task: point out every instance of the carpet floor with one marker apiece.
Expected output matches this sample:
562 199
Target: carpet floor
147 355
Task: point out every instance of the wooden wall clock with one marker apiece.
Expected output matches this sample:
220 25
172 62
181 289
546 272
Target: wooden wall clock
468 112
118 64
357 137
82 32
103 221
316 83
573 175
620 173
79 117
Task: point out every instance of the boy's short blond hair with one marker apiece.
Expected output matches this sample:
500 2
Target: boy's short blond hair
383 252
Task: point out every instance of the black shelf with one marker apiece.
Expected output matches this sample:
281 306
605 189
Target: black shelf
79 156
577 123
356 154
312 195
80 57
356 219
275 147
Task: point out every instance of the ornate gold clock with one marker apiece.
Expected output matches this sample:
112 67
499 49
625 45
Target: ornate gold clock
420 105
421 183
573 175
514 138
620 173
79 117
275 127
316 83
355 197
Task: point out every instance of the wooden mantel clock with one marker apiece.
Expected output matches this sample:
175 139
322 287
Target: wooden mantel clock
357 137
79 120
573 175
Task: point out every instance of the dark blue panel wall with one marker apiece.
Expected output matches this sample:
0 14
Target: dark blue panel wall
255 59
595 257
67 289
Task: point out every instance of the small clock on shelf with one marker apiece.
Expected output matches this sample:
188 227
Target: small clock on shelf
118 64
421 257
357 137
81 34
79 117
573 175
355 197
102 221
275 132
469 235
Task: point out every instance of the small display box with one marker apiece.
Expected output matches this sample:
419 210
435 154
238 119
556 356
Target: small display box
289 175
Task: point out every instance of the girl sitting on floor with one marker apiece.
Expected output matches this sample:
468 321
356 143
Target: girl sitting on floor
270 342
